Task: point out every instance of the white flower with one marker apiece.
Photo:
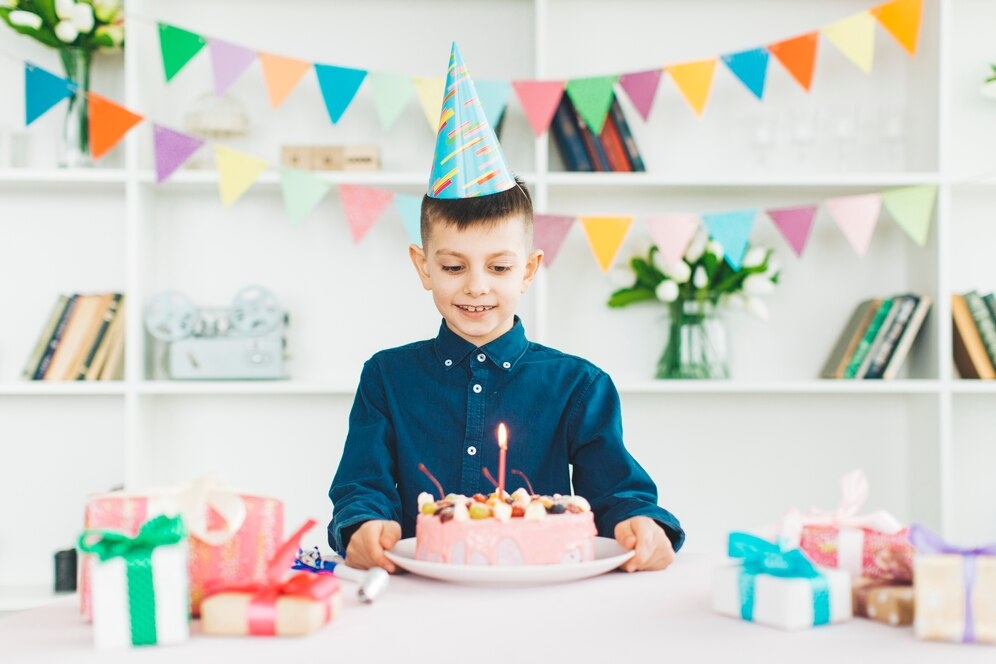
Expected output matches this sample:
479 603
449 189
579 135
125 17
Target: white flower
757 307
774 267
758 284
716 249
700 279
106 10
642 247
115 32
620 277
680 272
667 291
66 31
754 256
25 19
82 17
736 301
9 4
697 246
64 9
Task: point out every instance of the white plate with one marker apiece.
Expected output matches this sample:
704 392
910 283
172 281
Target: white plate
609 555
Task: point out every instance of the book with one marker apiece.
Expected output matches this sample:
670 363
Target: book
864 346
612 144
113 368
46 334
904 307
990 301
629 143
907 338
854 330
107 317
57 335
970 355
567 140
592 146
86 344
984 323
85 315
100 358
879 339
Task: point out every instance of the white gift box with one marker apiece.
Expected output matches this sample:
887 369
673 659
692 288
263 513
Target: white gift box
786 603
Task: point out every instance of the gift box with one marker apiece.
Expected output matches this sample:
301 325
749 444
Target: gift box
138 585
281 606
779 588
955 590
884 601
232 534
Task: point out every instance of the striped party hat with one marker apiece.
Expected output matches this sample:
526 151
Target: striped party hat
468 161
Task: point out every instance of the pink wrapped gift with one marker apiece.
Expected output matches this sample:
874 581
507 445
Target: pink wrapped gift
233 535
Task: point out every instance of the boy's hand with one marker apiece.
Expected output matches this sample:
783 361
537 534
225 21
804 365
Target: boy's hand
370 541
653 548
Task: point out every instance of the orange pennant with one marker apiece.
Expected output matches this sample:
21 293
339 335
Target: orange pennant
282 75
902 19
798 55
694 80
108 124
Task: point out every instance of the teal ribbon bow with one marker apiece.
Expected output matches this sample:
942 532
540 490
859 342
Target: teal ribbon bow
137 554
763 557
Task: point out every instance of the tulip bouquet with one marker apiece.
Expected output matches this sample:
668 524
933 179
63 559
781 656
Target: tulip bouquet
692 289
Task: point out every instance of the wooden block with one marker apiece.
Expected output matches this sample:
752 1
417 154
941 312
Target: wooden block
327 158
296 156
361 158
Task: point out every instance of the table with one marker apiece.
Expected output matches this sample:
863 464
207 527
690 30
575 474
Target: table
643 617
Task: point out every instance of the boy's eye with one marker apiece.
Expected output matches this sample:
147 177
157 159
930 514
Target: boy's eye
501 268
452 268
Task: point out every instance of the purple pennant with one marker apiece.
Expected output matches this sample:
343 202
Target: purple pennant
228 62
641 87
172 150
795 224
549 231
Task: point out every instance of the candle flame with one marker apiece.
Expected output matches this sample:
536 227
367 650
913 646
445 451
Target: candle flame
502 436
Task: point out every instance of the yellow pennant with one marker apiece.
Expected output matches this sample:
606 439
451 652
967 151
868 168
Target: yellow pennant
855 37
606 235
236 172
902 19
694 80
430 95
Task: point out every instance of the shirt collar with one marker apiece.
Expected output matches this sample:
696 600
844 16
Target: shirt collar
505 351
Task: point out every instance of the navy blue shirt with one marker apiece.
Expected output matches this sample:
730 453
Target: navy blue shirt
439 402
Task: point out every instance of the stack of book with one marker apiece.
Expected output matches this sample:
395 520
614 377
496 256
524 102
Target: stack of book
877 338
83 339
582 150
974 317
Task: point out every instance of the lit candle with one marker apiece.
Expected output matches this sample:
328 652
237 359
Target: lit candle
503 448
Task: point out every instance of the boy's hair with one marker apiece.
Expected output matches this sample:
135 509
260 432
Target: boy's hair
479 211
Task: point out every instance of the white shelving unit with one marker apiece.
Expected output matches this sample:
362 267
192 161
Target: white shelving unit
726 454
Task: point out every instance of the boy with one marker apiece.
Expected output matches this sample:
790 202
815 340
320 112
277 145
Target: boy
440 401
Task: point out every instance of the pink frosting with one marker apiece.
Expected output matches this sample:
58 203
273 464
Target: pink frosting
555 539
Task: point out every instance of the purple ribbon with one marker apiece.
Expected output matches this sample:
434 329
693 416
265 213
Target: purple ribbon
929 543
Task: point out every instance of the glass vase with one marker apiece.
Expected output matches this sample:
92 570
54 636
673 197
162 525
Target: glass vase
696 342
74 152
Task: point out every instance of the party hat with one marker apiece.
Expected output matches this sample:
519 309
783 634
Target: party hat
468 160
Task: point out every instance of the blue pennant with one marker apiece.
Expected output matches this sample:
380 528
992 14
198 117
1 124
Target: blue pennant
732 231
42 91
339 86
751 67
494 97
410 209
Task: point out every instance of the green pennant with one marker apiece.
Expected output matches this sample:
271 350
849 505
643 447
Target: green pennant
592 97
178 46
391 93
302 191
912 208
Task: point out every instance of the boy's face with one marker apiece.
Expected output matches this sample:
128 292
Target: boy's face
477 275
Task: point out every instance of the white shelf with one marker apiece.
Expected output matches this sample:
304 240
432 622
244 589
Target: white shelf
814 180
803 387
271 178
56 177
62 388
21 598
262 388
974 387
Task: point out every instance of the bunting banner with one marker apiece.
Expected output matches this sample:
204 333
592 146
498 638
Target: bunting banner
751 67
592 97
42 91
732 231
549 232
856 216
236 172
901 19
177 47
172 149
391 93
339 86
228 62
494 98
430 96
912 208
281 75
672 233
363 206
409 208
302 191
694 81
854 36
641 88
798 56
794 224
108 124
539 101
605 236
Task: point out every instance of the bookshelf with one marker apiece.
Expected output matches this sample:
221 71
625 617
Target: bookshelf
711 445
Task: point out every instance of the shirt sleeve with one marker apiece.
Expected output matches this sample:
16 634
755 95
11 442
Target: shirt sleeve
365 485
605 473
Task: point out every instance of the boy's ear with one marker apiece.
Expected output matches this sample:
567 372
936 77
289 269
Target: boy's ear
421 263
532 268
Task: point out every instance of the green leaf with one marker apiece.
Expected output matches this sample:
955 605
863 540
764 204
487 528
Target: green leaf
627 296
647 276
46 9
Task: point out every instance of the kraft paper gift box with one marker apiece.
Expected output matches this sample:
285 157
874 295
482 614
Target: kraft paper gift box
281 606
955 590
883 601
232 534
779 588
139 585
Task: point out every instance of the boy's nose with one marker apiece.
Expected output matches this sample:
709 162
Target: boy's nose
477 284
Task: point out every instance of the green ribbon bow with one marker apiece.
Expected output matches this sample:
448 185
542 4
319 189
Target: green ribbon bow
137 554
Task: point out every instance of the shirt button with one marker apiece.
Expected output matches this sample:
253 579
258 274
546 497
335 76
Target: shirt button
477 389
481 357
471 450
448 363
507 365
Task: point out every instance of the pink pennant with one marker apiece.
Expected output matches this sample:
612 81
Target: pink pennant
794 224
363 205
228 61
641 87
672 233
856 217
539 100
549 231
172 149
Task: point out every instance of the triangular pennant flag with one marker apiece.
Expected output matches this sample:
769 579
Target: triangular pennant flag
912 208
855 37
641 88
339 86
902 20
410 209
798 56
494 98
856 217
228 62
363 206
177 46
539 101
549 231
430 96
795 225
282 75
42 91
672 233
694 80
108 124
606 235
302 190
592 97
236 172
732 231
751 67
172 149
391 93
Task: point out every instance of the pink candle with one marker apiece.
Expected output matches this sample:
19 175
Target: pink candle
503 445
